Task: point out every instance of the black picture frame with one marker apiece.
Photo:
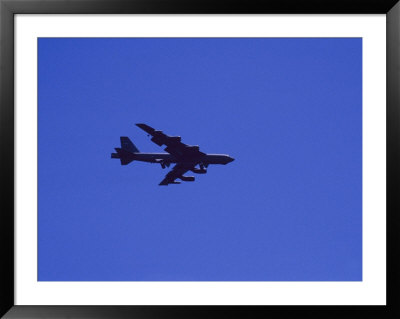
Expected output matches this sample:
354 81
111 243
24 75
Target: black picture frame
8 8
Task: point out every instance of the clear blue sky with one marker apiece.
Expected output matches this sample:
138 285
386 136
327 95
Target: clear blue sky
287 209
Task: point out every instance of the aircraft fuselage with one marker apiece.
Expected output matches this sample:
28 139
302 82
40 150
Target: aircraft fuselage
168 158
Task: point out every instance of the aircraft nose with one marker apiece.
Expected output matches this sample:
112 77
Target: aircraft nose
231 159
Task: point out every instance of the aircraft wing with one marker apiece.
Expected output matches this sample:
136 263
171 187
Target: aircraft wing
177 172
173 143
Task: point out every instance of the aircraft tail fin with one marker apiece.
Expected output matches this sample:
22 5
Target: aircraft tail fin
127 145
127 151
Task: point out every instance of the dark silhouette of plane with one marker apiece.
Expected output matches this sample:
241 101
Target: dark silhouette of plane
186 157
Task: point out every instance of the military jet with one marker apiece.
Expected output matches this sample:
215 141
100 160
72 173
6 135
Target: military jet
186 157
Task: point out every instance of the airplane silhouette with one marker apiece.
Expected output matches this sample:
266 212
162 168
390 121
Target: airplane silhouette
186 157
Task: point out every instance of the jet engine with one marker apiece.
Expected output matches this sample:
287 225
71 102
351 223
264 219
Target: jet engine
160 139
187 178
199 170
193 147
174 139
157 140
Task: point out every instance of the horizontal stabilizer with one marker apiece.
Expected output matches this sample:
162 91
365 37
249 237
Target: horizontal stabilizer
125 156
